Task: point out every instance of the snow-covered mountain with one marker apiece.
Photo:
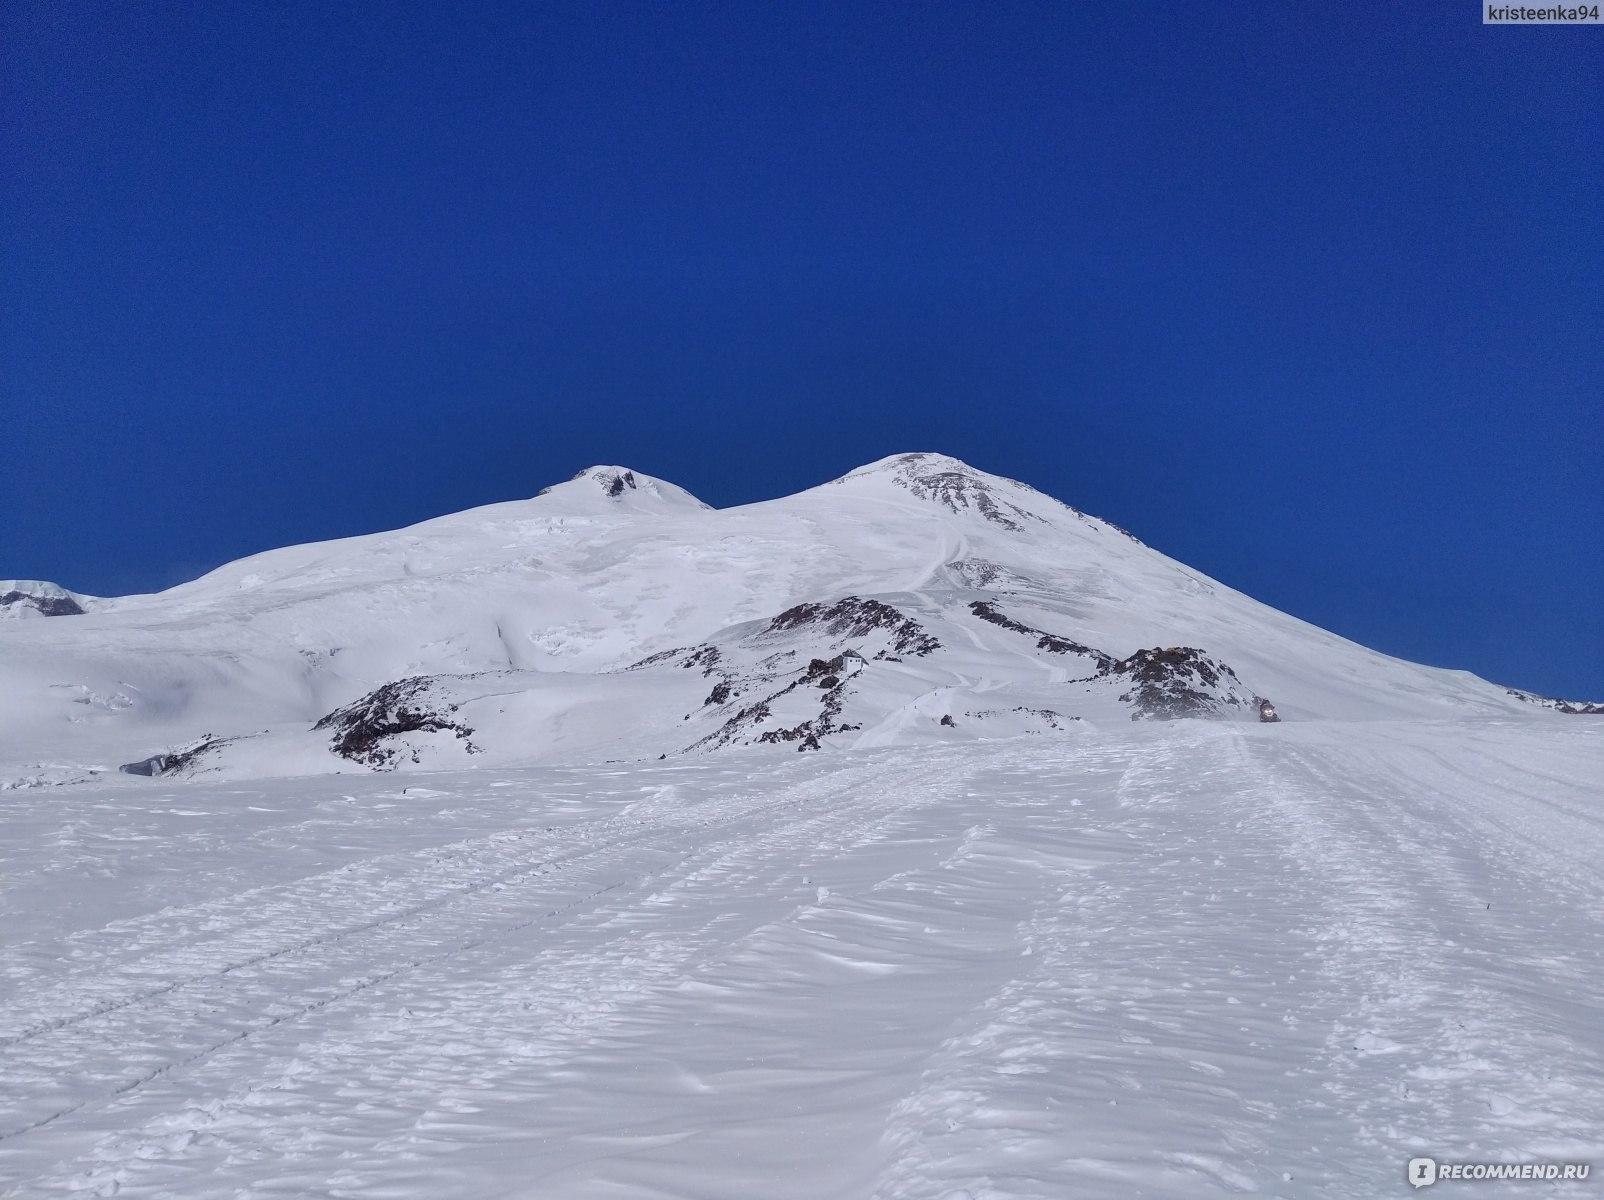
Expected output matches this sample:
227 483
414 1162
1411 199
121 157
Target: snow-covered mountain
617 617
40 598
835 929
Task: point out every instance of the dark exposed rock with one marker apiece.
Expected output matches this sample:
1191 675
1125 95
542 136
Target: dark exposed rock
979 574
1578 708
822 673
855 617
821 668
1045 715
731 730
706 657
362 727
1575 708
949 483
850 617
45 606
958 491
1123 531
808 733
946 719
1176 681
611 481
1049 642
652 660
987 611
178 760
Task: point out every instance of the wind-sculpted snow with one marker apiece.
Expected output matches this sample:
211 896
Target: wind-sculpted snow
1167 960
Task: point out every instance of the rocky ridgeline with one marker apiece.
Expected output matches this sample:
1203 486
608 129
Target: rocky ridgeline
800 678
1179 681
366 731
1575 708
956 486
1051 643
855 617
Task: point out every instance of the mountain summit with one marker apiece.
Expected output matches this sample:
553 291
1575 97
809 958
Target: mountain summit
39 598
623 487
615 616
956 486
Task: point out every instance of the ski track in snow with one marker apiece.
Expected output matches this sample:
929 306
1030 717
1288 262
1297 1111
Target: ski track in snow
1174 961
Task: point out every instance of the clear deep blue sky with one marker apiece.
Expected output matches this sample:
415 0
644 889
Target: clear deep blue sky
1310 296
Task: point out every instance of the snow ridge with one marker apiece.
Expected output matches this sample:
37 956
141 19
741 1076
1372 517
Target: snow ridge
40 597
558 629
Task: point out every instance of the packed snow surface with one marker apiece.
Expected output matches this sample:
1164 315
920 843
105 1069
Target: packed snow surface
1176 960
916 837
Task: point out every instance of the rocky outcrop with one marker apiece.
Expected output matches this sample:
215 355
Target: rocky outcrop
632 490
1050 642
1179 681
368 730
1575 708
807 734
175 762
855 617
825 678
957 486
38 598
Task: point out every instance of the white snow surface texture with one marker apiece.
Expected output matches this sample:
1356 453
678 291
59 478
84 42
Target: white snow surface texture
916 836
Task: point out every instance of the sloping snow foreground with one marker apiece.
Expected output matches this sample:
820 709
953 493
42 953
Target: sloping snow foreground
1162 960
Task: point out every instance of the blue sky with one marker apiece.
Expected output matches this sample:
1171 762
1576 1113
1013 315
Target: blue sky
1307 296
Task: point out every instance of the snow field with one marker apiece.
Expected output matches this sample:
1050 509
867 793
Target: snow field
1175 960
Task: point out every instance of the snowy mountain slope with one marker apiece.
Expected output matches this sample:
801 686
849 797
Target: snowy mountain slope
40 598
1176 960
553 624
1011 933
